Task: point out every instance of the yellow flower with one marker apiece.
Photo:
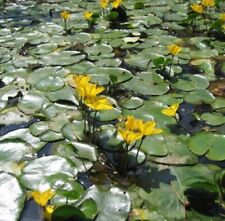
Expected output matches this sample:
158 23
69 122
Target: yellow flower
135 129
198 8
89 90
42 198
48 212
88 15
208 3
223 27
148 128
98 103
65 15
171 110
128 135
174 49
116 3
81 80
104 3
222 17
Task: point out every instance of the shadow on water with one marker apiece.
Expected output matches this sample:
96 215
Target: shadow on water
151 177
21 14
31 212
4 129
204 202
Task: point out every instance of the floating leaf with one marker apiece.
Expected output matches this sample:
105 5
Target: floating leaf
11 202
213 149
39 169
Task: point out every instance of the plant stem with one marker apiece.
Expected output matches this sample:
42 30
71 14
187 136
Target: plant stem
65 25
93 135
139 148
171 65
124 161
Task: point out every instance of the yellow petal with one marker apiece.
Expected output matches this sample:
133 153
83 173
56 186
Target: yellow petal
128 136
81 80
133 124
171 111
198 8
98 103
42 198
104 3
116 3
65 15
208 3
88 15
174 49
48 212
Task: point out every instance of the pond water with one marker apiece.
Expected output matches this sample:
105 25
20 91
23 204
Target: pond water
139 135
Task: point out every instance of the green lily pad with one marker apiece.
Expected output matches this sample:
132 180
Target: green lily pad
24 135
197 176
219 105
103 75
66 188
155 145
74 131
199 97
68 212
89 208
49 136
44 49
190 82
138 60
178 152
38 128
85 151
205 53
131 102
213 149
113 204
50 84
214 119
13 116
31 103
39 169
108 115
11 202
67 150
14 150
108 62
42 73
147 83
66 93
165 197
62 58
24 62
99 51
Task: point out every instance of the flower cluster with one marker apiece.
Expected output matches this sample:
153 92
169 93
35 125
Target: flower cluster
134 129
200 7
105 3
89 93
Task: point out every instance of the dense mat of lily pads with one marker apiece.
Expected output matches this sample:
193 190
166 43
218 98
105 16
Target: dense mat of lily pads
112 110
